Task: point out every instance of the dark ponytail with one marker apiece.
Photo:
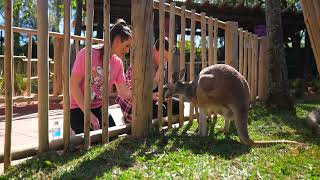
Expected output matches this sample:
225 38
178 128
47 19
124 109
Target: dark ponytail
120 28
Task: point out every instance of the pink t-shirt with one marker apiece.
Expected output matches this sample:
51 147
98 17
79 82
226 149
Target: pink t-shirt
116 74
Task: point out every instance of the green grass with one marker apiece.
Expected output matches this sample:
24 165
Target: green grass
180 153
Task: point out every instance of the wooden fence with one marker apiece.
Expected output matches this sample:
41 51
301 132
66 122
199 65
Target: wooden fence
243 50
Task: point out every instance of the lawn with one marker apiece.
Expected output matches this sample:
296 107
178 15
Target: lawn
180 153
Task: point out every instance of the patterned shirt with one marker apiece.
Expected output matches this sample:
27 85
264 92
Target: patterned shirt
126 104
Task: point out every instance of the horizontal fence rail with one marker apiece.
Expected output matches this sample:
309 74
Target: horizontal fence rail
244 51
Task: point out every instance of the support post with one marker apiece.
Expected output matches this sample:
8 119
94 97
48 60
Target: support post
87 79
231 44
192 57
161 65
29 65
107 45
66 69
58 56
263 81
182 61
43 75
8 51
142 21
203 40
241 51
210 47
170 67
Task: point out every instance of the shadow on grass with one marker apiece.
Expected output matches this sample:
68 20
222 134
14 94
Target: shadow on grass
293 119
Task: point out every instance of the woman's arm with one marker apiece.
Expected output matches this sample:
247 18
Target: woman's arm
79 98
124 91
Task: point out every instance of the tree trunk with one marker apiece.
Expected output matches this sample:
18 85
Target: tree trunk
278 94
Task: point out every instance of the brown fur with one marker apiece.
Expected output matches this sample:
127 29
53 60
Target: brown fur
313 121
223 90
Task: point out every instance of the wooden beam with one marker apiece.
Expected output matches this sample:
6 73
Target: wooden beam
58 56
192 57
43 83
263 76
29 64
249 60
215 42
182 61
161 65
210 47
107 45
142 29
66 70
171 54
188 14
203 40
231 44
245 55
255 67
241 50
87 79
8 52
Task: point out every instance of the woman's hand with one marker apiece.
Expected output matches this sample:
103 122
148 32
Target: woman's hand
94 122
155 96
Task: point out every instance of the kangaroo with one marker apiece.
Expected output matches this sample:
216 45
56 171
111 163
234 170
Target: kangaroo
313 121
220 89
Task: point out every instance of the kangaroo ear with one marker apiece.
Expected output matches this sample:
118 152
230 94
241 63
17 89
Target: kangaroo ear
182 74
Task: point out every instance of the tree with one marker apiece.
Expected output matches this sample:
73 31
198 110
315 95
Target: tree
278 95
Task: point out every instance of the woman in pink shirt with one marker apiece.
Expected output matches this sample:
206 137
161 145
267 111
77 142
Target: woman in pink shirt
120 37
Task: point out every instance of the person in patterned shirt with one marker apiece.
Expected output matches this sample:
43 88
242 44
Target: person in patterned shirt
126 104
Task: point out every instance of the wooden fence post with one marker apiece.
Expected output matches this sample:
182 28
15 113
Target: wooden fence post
210 47
29 65
231 44
88 64
245 55
43 75
161 65
8 51
66 69
105 99
58 56
192 57
182 61
249 60
215 41
142 21
263 76
255 67
170 64
241 51
203 40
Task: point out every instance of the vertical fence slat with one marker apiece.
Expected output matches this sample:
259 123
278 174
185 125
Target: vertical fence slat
161 65
241 50
203 40
66 69
182 61
29 64
8 49
249 60
43 75
77 45
245 55
171 46
192 57
215 41
210 47
105 99
58 55
255 67
262 69
142 29
231 44
87 89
